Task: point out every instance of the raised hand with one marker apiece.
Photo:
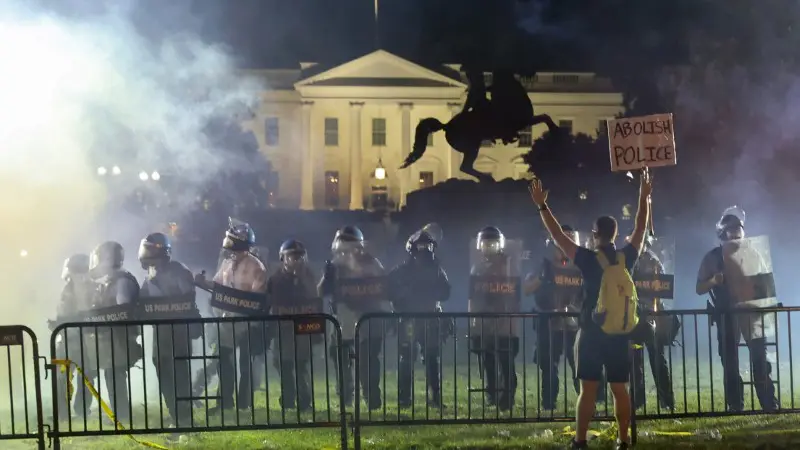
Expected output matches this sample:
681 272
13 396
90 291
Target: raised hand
645 183
538 193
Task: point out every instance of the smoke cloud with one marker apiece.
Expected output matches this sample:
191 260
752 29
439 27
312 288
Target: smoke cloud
81 91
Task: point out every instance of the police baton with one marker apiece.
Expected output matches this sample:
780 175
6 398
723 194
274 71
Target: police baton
202 285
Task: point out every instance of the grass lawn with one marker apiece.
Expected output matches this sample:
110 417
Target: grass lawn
736 432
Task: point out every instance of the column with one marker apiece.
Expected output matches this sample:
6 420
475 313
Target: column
405 148
356 172
454 158
307 168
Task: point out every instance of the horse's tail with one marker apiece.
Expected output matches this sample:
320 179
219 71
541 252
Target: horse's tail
424 128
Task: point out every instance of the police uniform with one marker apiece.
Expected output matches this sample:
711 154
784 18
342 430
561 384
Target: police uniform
556 336
168 292
76 299
292 290
355 281
495 288
648 264
242 272
730 330
418 285
118 347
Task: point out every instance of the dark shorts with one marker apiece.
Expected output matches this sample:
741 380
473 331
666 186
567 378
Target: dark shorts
595 350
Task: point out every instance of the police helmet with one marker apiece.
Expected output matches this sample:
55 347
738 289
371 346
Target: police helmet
292 246
106 257
426 238
239 236
153 248
349 237
75 265
571 233
490 240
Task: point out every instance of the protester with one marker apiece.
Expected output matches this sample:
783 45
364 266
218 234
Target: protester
596 349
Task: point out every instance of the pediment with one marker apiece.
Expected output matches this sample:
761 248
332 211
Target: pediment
380 68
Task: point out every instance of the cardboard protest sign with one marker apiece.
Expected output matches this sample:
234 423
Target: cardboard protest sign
638 142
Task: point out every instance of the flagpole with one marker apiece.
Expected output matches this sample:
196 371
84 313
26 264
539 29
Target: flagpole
377 26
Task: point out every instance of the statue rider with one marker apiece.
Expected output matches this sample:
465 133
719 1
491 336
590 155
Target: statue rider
418 285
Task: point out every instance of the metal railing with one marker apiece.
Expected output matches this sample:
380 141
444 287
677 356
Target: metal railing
399 369
22 417
154 381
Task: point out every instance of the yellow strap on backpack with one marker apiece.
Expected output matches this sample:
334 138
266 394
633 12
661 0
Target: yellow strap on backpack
66 364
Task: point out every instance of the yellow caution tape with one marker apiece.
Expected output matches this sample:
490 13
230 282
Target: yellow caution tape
65 365
611 432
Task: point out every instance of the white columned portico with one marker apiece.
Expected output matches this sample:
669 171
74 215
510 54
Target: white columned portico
356 181
307 168
405 148
453 158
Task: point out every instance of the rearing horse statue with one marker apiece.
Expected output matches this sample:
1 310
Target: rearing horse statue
509 111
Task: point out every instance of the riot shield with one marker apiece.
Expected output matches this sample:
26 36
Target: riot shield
654 275
360 286
747 269
227 296
495 287
262 253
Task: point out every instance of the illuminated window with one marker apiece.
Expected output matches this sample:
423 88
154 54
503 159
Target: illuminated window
272 131
487 143
379 132
566 79
425 180
525 138
331 132
566 125
430 140
332 189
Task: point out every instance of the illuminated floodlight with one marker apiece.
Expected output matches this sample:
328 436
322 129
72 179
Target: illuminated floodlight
23 253
155 176
115 170
143 176
101 171
380 173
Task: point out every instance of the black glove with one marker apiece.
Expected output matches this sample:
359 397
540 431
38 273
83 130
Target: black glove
328 277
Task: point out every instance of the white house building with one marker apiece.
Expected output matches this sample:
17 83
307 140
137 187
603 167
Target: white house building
326 129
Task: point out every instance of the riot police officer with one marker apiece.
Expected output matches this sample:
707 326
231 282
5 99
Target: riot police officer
168 293
238 290
495 288
76 299
418 285
711 279
645 333
117 298
292 290
355 282
558 288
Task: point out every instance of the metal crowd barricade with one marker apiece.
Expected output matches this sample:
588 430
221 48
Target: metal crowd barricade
470 393
190 355
22 416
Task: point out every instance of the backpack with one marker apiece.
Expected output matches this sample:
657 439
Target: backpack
617 304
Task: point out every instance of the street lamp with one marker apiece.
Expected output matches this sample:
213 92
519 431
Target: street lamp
155 176
101 171
115 170
380 171
143 176
23 253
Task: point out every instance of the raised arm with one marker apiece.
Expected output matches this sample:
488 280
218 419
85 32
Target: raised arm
539 197
643 212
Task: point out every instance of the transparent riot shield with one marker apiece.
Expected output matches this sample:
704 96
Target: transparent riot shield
359 288
495 287
747 266
262 253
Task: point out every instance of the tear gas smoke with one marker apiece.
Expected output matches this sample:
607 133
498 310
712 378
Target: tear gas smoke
81 93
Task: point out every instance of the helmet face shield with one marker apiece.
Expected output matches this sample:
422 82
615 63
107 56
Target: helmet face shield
294 260
491 246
